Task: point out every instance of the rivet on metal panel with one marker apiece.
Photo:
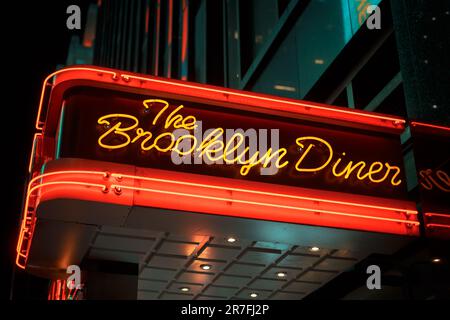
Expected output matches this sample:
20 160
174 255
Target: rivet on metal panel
117 190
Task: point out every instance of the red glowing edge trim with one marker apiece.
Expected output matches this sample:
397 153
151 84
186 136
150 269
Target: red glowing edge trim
157 36
192 184
46 83
262 204
437 221
264 101
27 227
421 124
58 290
437 225
33 151
184 40
169 40
432 214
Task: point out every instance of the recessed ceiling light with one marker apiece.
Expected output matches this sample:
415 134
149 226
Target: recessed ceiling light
184 289
231 239
436 260
314 249
253 294
206 266
281 274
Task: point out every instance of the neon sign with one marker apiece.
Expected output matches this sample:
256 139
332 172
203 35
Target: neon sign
432 160
376 172
211 140
130 124
438 179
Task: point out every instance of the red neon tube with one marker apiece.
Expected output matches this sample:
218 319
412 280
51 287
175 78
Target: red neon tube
234 97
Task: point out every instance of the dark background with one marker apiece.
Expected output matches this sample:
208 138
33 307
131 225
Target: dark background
35 40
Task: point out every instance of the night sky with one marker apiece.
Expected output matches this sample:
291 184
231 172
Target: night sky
35 40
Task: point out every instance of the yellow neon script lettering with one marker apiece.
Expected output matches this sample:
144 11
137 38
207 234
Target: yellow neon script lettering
116 129
374 168
178 121
184 153
306 152
123 129
266 159
212 144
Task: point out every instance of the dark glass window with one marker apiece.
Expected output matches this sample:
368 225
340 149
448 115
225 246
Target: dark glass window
257 19
376 73
394 103
280 76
